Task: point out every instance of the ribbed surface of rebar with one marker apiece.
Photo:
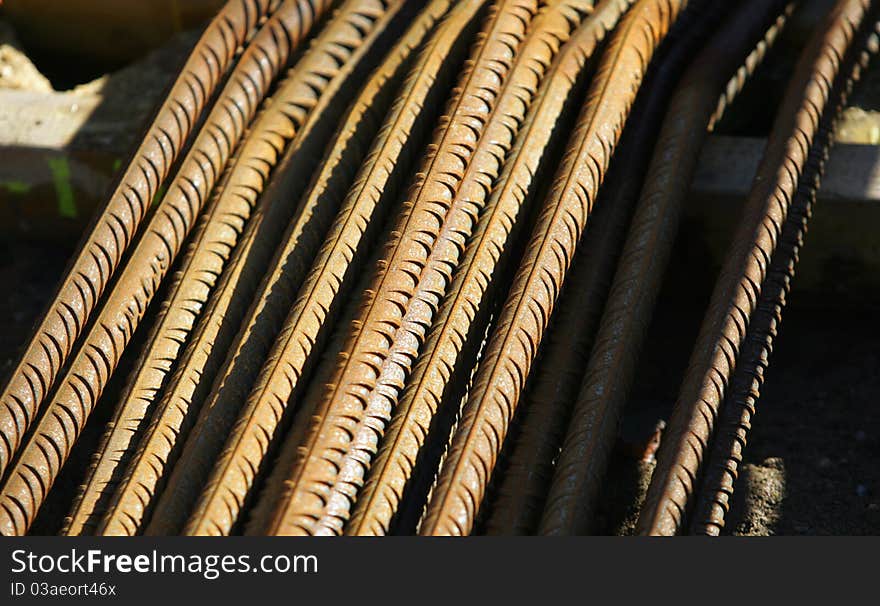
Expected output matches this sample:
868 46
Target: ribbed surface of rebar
380 300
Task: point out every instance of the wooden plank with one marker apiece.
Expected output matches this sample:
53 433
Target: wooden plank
841 258
728 164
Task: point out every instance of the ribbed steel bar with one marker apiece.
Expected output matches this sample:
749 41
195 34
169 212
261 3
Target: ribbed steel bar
338 449
751 64
468 205
87 374
376 189
307 403
244 457
114 227
190 382
610 372
522 489
209 248
808 97
513 345
723 465
373 190
299 119
450 351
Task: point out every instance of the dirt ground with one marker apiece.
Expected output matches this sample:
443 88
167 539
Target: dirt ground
813 457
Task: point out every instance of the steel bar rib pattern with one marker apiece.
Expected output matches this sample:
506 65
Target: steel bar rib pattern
338 449
118 222
357 252
250 439
722 466
342 251
517 507
210 247
512 347
309 90
460 322
609 375
739 286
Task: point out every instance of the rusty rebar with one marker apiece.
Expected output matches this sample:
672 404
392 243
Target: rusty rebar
209 248
273 486
244 457
723 465
451 348
610 372
338 449
376 188
513 345
393 275
116 225
88 373
340 256
807 98
311 100
448 256
550 394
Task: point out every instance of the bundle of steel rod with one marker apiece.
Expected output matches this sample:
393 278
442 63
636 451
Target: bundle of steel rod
386 267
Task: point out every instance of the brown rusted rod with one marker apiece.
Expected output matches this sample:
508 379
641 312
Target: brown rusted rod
87 374
519 500
513 345
266 411
679 459
451 348
208 251
284 275
271 488
118 222
338 449
593 426
376 188
468 206
300 118
723 463
307 403
722 466
218 319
